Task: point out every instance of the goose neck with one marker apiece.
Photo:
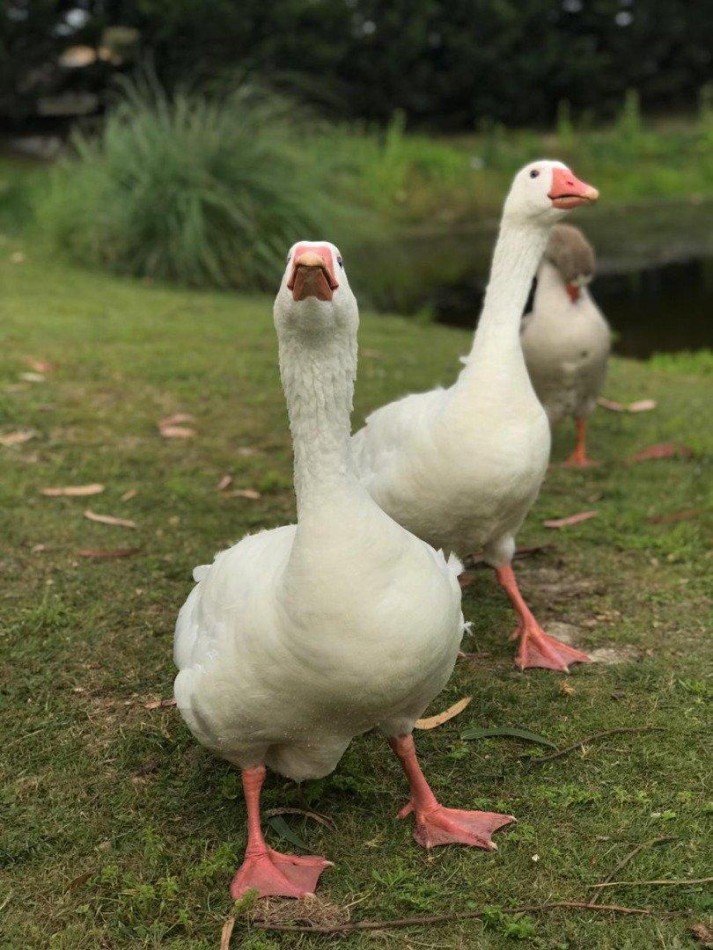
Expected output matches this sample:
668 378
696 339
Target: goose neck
517 254
318 379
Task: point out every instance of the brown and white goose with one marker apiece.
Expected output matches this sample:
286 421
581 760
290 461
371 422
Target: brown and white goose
565 339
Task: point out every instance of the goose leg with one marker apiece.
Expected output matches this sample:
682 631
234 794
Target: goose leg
436 824
536 647
269 872
579 458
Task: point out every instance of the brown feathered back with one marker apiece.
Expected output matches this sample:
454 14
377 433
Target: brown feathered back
570 252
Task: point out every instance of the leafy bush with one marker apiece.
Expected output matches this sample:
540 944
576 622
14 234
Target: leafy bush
192 189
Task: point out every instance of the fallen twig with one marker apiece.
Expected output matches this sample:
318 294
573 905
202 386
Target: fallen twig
597 735
625 860
227 933
431 722
570 519
465 915
679 883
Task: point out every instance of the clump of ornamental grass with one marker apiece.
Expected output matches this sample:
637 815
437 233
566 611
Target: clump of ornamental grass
191 188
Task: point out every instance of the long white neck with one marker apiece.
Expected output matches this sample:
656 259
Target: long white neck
318 379
518 252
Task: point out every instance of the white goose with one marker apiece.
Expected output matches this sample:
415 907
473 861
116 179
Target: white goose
565 339
461 467
297 639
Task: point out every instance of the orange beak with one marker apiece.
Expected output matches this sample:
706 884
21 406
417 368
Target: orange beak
568 191
312 273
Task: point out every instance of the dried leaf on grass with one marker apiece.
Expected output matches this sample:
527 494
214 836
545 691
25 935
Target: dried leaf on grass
174 426
507 733
32 377
128 495
674 517
177 432
322 819
18 437
160 703
39 366
109 519
225 482
250 493
73 491
662 450
641 405
570 519
78 881
107 553
432 722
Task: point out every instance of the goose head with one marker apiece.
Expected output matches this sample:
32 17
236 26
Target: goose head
315 298
573 256
545 191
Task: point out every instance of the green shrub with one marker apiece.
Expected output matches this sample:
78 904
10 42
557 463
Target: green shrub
191 189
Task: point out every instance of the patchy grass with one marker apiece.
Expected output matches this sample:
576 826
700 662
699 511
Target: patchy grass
121 831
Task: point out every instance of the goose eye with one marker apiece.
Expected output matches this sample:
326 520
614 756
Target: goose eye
534 173
340 262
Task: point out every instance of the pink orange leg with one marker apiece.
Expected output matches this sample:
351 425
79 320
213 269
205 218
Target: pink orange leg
269 872
536 647
434 823
579 458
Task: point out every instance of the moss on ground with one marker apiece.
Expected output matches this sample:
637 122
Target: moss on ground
120 831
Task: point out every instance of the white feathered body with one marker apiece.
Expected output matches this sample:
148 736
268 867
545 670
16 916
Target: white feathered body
566 346
460 467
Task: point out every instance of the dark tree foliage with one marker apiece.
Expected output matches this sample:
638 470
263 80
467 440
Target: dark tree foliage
33 34
446 63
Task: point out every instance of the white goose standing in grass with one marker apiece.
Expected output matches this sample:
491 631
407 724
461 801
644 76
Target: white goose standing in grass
565 339
297 639
461 467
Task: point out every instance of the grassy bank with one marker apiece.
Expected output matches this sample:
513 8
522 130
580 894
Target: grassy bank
416 179
187 190
121 832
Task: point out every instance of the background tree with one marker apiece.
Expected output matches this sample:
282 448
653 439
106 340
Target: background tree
447 63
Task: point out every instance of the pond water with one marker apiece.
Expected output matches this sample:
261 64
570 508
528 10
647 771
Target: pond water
654 277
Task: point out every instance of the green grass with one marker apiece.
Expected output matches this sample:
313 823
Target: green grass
120 831
415 179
